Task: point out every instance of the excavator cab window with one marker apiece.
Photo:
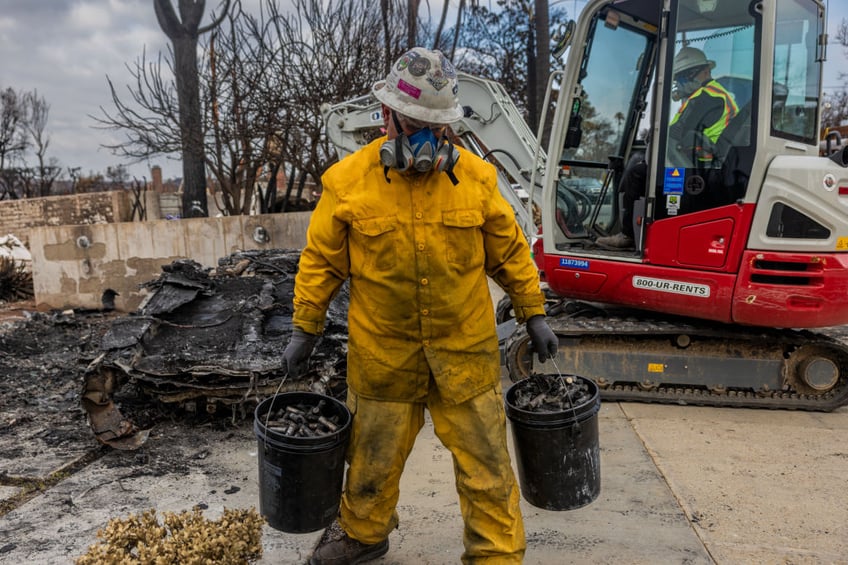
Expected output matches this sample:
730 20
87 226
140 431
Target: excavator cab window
797 54
706 147
613 86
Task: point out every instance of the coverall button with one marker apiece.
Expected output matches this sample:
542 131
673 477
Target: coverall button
418 215
425 312
425 282
420 247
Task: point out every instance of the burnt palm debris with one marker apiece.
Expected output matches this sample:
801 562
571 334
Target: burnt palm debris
15 281
210 341
552 393
302 420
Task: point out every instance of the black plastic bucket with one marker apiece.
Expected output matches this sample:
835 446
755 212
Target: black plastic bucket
559 465
300 478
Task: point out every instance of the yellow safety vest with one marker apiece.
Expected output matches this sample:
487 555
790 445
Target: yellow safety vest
715 89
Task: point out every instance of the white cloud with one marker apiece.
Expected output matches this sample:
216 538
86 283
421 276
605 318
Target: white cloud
64 49
91 16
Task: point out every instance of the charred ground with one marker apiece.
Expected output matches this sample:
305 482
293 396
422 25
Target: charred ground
202 352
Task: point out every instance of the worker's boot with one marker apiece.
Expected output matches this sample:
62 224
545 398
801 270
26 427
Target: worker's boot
617 241
337 548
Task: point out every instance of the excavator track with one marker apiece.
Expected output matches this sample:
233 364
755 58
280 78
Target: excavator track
637 356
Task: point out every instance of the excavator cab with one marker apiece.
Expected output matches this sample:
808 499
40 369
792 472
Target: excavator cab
726 227
628 98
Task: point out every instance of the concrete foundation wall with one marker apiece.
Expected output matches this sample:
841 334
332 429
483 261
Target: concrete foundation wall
19 217
74 264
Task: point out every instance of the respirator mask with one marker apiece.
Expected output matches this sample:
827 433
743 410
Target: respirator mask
685 84
421 151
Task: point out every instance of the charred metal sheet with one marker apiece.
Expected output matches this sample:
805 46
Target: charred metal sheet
179 284
124 332
210 338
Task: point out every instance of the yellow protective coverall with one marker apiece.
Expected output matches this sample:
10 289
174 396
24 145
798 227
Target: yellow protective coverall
422 333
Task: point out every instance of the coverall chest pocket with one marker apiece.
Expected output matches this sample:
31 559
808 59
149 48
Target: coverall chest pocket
463 237
376 240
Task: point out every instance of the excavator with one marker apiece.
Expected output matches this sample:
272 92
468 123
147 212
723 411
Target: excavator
736 282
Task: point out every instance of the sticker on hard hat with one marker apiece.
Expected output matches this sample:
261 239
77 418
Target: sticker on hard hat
404 86
673 287
419 66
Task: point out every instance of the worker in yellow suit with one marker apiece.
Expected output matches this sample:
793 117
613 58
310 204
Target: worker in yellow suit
417 224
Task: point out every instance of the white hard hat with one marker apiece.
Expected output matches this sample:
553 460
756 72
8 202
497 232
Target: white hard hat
422 85
690 58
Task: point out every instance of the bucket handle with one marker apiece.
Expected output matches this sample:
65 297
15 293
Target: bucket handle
268 413
561 377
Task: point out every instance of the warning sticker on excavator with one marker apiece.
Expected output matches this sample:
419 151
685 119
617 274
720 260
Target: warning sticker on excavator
656 368
674 287
673 182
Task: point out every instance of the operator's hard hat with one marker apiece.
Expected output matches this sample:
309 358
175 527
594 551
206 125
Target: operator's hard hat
690 58
422 85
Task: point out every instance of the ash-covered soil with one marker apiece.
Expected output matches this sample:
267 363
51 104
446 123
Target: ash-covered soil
42 359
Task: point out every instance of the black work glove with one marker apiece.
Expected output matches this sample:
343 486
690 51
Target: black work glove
296 355
545 342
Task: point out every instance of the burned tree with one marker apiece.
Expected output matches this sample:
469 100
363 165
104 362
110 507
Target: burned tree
266 79
508 46
12 139
245 108
23 120
330 52
46 170
262 81
183 31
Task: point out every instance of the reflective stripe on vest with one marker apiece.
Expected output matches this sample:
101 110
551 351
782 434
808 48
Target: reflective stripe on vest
716 90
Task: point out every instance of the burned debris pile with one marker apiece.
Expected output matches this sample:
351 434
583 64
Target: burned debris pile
210 341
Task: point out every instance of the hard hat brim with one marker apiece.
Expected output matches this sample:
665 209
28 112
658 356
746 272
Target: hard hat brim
416 111
694 64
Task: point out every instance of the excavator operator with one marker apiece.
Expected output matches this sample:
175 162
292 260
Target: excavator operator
706 111
416 225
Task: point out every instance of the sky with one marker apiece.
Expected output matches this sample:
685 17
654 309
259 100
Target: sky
65 49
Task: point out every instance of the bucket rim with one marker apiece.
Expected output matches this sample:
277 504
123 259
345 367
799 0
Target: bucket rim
577 413
281 441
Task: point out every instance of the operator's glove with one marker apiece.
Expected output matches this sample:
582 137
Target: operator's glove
296 355
545 342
